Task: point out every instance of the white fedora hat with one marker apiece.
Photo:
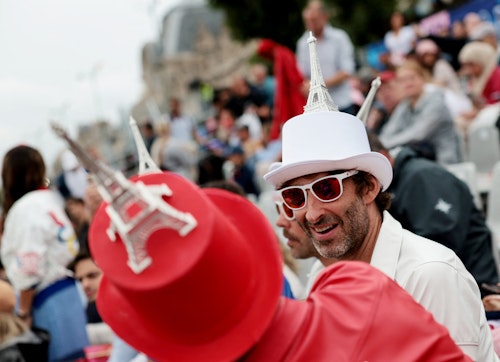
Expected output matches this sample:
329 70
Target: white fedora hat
326 141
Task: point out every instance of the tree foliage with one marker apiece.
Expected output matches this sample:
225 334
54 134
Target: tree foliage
281 20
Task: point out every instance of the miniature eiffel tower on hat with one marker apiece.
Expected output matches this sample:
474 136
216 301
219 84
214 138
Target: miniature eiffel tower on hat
323 139
319 100
135 210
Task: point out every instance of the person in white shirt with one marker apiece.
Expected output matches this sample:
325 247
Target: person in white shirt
400 40
335 185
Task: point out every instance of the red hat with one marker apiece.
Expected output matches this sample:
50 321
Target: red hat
208 295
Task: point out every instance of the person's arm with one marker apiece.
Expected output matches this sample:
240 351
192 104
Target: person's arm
25 304
345 61
302 57
337 78
7 297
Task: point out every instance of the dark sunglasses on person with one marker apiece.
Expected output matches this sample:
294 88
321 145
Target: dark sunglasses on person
325 189
284 210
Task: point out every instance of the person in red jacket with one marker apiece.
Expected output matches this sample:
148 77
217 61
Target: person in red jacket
193 274
214 294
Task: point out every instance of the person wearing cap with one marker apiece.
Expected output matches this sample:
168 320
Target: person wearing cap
335 53
336 187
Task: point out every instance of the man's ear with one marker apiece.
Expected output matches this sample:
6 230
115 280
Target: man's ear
371 190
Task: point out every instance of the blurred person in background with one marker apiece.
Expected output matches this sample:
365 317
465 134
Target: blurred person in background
399 40
387 98
421 119
480 67
443 76
38 242
335 54
89 275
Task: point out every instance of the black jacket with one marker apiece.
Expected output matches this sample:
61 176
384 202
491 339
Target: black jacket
432 202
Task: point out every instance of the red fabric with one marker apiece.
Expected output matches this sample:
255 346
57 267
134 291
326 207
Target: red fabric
207 295
491 91
288 98
355 313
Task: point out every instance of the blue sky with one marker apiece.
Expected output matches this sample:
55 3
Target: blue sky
70 60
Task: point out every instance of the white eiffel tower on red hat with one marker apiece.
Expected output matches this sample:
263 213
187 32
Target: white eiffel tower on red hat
135 210
319 99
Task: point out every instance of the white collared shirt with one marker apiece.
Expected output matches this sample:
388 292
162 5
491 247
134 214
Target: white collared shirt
438 280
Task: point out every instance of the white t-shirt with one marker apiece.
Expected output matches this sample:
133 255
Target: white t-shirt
38 241
399 45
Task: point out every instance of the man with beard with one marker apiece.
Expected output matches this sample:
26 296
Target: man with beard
335 185
299 243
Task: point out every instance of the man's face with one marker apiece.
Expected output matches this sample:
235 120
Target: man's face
410 82
299 243
389 94
314 19
89 275
337 228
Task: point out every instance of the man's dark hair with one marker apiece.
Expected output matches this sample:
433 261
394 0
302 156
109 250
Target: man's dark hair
363 181
82 255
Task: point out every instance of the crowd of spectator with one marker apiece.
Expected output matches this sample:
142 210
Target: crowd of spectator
433 88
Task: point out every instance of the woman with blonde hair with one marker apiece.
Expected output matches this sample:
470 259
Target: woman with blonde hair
421 119
479 63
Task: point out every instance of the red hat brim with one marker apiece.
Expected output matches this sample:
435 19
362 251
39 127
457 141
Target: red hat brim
135 324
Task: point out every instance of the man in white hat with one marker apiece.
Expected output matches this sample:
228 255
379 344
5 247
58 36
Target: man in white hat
199 278
335 185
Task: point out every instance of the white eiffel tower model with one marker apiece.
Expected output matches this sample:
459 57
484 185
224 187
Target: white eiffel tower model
364 110
135 210
319 99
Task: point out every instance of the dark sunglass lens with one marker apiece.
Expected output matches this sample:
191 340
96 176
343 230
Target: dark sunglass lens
278 209
327 189
294 198
288 211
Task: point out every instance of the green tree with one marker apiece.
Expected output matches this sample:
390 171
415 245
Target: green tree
281 20
365 21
